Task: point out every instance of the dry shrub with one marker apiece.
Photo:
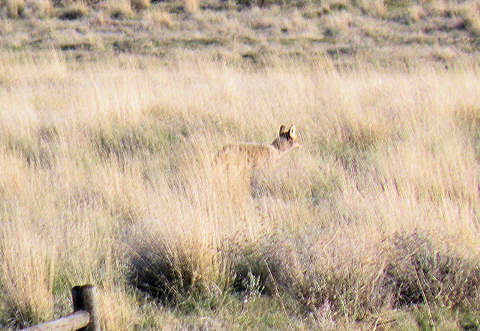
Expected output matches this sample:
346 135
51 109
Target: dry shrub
418 273
258 268
279 265
173 264
400 271
163 272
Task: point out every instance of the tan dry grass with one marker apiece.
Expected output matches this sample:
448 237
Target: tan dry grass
15 8
28 271
42 8
115 316
126 172
159 18
191 6
120 9
337 22
74 10
375 7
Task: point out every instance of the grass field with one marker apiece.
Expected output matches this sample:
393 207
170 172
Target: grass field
106 170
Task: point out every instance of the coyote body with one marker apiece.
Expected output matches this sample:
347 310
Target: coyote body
247 156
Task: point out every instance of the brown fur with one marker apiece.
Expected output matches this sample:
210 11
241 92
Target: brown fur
235 162
246 156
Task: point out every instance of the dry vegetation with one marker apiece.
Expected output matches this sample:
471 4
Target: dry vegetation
247 30
106 178
106 154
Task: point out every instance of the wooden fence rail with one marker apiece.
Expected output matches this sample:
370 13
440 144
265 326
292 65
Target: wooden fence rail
84 316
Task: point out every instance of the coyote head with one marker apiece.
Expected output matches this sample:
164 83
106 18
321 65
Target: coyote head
286 140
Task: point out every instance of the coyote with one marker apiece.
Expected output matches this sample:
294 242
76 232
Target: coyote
247 156
236 163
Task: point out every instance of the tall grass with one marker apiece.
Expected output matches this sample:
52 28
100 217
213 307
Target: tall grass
114 166
191 6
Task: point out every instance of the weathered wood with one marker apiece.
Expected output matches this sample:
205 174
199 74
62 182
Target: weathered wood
84 298
74 321
84 316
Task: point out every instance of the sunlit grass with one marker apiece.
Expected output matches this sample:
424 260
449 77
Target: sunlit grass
113 163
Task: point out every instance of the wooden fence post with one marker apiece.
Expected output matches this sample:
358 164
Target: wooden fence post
84 316
84 298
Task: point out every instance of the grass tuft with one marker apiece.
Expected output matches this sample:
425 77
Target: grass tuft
175 272
140 5
27 271
42 8
159 18
469 12
74 11
191 6
120 9
163 274
15 8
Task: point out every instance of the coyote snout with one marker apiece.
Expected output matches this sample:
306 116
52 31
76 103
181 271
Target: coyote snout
246 156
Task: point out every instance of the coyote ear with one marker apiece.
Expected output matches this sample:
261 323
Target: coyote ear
283 129
291 132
